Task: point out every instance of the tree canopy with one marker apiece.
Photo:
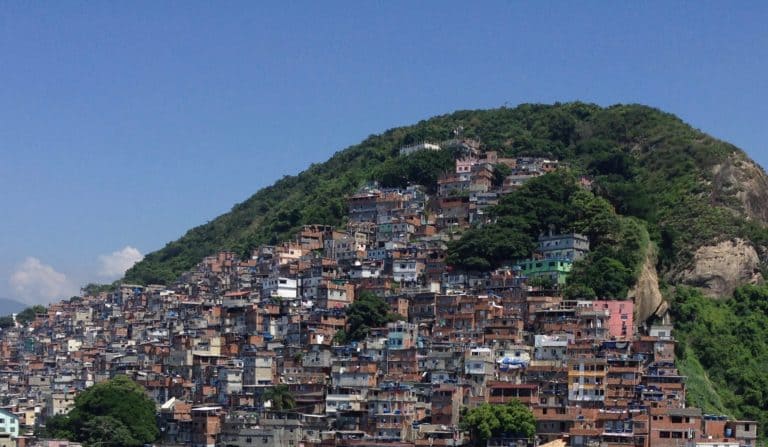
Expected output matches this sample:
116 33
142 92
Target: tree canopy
511 420
93 289
556 202
117 412
6 322
280 397
728 338
368 311
27 315
422 167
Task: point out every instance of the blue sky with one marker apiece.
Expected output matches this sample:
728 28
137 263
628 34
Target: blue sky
123 124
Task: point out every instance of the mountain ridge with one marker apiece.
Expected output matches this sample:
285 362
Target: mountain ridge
647 163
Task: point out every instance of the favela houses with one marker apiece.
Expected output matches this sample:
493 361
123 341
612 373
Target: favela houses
388 330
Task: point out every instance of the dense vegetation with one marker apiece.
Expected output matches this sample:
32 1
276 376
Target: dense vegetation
6 322
27 315
729 339
512 421
280 398
556 202
366 312
421 168
116 412
646 163
93 289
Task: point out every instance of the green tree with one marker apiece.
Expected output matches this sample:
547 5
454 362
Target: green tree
481 249
6 322
594 216
544 282
107 431
93 289
513 420
57 427
600 275
728 338
27 315
280 397
340 337
422 167
115 412
556 202
368 311
579 292
500 172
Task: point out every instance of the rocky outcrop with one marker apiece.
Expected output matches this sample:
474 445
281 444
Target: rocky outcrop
745 180
646 293
719 269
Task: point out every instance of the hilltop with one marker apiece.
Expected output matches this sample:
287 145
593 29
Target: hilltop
699 197
674 216
538 253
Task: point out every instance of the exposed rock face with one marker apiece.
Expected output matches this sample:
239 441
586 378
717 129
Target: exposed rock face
719 269
646 293
745 179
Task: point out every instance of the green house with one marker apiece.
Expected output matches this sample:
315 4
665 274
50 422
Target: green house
555 269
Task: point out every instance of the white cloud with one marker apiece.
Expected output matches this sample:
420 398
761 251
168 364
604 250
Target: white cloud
116 263
38 283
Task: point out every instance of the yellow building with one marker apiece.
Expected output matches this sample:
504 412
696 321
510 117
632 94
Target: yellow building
586 381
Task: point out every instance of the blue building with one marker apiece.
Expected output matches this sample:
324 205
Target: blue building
9 423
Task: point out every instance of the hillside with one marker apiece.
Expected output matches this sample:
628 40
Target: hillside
669 207
692 191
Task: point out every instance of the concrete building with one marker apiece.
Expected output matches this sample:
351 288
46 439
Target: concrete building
572 246
9 423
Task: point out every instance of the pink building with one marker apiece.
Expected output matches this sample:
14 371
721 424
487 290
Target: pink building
464 165
620 323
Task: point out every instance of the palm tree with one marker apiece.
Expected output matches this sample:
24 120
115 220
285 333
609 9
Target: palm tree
281 398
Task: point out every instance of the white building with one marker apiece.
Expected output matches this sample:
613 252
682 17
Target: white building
405 270
280 287
9 423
